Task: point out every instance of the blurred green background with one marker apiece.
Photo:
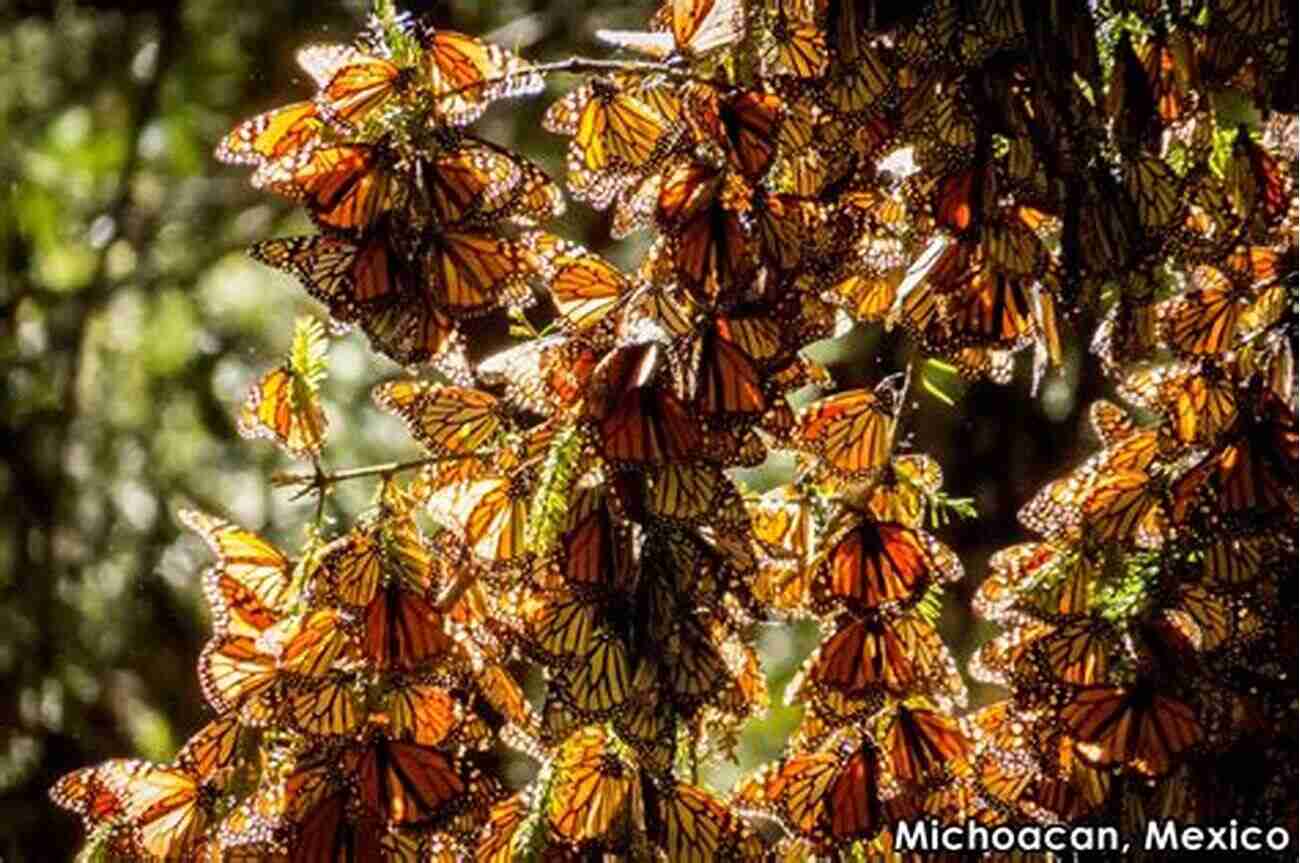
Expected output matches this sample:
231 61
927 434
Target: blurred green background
131 325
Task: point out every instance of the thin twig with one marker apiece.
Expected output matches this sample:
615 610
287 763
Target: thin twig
582 66
320 492
321 480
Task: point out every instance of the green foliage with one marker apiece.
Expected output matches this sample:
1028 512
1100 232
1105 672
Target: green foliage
550 504
309 354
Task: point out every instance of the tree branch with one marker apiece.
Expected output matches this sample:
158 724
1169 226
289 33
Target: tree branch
321 481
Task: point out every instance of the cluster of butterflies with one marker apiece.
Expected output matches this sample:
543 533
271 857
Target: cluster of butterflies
878 741
423 225
1149 636
355 714
959 169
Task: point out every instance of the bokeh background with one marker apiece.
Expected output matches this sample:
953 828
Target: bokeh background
131 324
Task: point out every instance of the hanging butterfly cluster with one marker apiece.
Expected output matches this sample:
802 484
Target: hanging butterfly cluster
424 226
1150 640
352 711
878 742
958 170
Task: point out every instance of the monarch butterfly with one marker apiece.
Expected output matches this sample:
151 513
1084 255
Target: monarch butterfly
402 630
314 643
1148 88
695 493
597 544
870 565
1048 582
600 680
956 299
745 122
311 807
1250 19
445 419
359 85
677 562
595 790
783 523
585 287
616 137
710 243
903 492
862 84
1258 187
245 558
868 296
282 406
691 824
634 204
698 670
330 704
795 45
559 624
830 796
721 376
1005 660
898 656
405 783
1248 468
236 609
468 180
924 745
1156 192
647 723
323 61
346 188
465 74
1233 562
959 200
1009 570
638 419
659 313
543 375
694 28
490 514
1205 320
503 829
373 284
1199 401
1127 507
1056 512
237 676
1203 619
1136 726
350 568
851 432
829 711
784 226
1106 235
794 790
503 694
283 133
168 808
470 273
1074 651
1110 422
941 116
97 794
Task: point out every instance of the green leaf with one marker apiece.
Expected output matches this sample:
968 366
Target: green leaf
307 357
